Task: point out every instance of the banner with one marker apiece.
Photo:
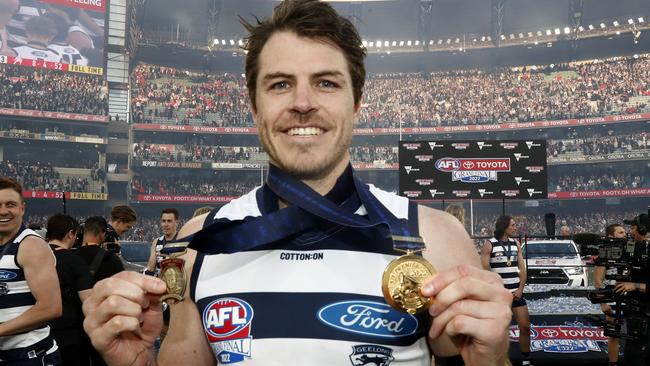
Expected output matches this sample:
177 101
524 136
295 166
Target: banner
632 192
183 199
375 166
236 166
418 130
74 30
505 126
450 169
196 129
570 159
68 195
169 164
53 115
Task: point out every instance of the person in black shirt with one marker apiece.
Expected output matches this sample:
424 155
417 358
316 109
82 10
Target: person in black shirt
76 284
102 263
94 235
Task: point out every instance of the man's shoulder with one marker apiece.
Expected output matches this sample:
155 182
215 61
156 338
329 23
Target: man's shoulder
397 205
239 208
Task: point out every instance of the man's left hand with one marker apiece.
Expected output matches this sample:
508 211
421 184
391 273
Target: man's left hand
624 287
472 307
517 295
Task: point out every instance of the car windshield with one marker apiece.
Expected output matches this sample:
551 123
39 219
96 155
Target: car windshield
135 252
550 250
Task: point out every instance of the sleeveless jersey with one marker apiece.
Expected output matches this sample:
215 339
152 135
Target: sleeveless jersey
69 54
501 251
160 244
16 298
312 299
29 52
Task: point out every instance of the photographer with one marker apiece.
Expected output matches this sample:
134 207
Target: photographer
123 218
612 231
636 350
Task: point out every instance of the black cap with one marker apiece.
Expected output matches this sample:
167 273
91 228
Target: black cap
641 219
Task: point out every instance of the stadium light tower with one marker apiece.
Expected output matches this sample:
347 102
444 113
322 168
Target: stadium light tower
575 22
425 22
497 12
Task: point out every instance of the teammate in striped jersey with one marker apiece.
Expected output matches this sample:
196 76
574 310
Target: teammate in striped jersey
502 254
40 32
316 301
29 287
7 10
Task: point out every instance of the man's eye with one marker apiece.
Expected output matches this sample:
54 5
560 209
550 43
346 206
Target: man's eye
280 85
328 84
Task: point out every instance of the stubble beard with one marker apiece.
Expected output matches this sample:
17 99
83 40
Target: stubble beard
304 167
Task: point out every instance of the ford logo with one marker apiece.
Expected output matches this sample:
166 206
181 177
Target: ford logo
7 275
368 318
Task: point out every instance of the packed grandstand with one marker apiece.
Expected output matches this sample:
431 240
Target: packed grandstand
188 138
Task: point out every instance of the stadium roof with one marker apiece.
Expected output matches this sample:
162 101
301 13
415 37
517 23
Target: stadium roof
396 19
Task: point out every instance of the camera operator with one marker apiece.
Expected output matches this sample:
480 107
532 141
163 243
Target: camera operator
612 231
636 350
123 218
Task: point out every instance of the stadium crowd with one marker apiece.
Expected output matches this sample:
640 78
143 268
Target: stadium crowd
570 182
147 228
183 185
598 145
171 94
37 176
53 91
190 152
575 90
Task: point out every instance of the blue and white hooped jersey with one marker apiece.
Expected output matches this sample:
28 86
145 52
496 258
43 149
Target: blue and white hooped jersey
16 297
501 253
313 299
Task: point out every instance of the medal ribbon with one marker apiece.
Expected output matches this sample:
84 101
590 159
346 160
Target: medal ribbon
306 208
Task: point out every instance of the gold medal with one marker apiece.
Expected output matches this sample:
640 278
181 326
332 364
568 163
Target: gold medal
172 271
508 262
402 280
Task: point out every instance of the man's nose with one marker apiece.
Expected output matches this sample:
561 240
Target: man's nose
303 99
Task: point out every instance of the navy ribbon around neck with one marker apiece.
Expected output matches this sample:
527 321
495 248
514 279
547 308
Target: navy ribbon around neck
306 209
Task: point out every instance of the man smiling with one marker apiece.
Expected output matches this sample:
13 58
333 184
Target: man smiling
29 289
305 74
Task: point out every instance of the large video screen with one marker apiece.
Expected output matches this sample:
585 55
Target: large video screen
65 35
473 169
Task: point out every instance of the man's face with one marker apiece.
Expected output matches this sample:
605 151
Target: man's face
305 105
619 232
634 230
512 228
12 209
168 223
121 227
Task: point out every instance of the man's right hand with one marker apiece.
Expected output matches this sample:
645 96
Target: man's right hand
124 317
607 310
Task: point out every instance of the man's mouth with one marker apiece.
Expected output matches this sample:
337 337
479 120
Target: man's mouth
305 131
6 219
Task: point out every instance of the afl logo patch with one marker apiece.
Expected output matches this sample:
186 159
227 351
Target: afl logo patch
227 323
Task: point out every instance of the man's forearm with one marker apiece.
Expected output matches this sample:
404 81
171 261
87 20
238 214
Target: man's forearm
38 315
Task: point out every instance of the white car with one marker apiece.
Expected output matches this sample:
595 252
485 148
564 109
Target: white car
553 262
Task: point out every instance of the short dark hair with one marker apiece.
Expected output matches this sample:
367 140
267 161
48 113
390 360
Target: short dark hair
311 19
95 225
10 183
41 26
501 225
123 213
170 211
59 225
